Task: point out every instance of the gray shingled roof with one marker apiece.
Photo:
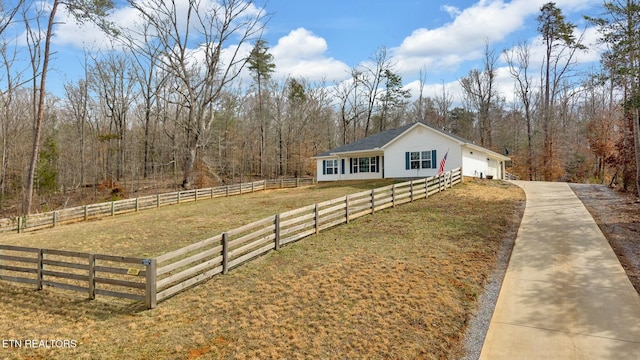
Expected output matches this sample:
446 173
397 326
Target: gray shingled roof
379 140
370 142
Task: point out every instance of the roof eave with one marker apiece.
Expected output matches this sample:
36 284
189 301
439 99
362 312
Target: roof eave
487 151
354 152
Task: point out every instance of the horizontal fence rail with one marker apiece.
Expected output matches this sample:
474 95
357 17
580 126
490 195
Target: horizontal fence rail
112 208
92 274
198 262
154 280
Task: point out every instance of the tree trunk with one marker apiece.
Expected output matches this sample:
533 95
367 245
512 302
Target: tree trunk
147 121
636 136
40 114
189 165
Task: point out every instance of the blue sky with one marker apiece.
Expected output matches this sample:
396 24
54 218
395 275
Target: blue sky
325 39
446 37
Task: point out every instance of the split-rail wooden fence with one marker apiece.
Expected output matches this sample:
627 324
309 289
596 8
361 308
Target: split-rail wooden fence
112 208
93 274
154 280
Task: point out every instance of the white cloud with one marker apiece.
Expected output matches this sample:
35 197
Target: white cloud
487 20
447 47
451 10
69 32
303 54
298 54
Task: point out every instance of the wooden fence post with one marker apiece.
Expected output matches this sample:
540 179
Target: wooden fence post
411 190
277 231
19 224
227 192
346 207
426 188
297 182
86 212
55 218
150 288
179 197
317 218
373 202
225 253
157 200
113 208
92 276
137 204
39 270
393 195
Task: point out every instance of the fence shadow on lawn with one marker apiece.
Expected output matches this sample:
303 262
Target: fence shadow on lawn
26 301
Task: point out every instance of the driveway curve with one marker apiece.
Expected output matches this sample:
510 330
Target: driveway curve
565 294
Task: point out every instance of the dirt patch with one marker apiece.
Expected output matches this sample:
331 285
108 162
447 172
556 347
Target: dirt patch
618 216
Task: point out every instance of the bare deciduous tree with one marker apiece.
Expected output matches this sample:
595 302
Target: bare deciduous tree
481 92
94 10
202 43
519 60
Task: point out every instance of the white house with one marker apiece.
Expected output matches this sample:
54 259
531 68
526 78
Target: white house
414 150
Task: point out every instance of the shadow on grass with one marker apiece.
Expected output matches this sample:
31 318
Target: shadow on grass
357 184
28 300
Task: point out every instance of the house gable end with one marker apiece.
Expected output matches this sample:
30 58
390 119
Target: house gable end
428 128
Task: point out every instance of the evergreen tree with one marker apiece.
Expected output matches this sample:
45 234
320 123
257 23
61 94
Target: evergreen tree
261 65
560 46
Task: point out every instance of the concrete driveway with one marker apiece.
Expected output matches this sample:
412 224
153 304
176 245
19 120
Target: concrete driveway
564 295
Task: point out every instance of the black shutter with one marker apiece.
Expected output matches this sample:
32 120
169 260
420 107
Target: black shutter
407 160
342 170
434 159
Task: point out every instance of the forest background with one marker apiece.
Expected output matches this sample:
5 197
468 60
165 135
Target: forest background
172 105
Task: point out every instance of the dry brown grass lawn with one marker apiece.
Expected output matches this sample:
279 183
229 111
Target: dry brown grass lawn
153 232
400 284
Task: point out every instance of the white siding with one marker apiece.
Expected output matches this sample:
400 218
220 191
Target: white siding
492 170
420 139
348 175
474 163
324 177
477 163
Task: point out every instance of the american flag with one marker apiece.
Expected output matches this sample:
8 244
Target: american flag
442 162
